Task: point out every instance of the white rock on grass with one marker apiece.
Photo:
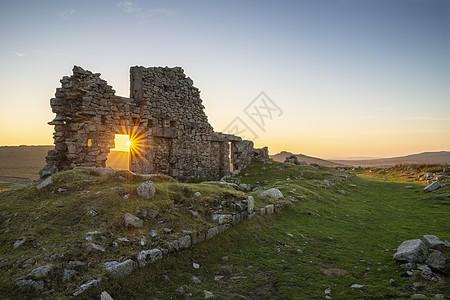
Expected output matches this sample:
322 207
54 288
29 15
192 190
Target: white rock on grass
41 272
357 286
37 285
82 288
411 251
432 186
120 270
146 257
146 189
19 243
273 192
45 183
250 204
208 294
105 296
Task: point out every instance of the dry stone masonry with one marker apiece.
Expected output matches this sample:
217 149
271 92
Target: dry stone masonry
164 118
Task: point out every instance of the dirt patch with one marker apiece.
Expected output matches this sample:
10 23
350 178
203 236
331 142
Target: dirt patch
333 271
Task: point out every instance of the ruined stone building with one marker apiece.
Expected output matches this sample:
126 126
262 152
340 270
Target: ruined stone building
164 118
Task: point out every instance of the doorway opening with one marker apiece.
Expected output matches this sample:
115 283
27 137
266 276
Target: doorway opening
119 156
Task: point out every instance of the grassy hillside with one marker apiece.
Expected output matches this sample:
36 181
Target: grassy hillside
22 162
323 239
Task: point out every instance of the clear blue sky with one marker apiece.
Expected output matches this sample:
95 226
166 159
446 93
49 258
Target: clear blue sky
352 77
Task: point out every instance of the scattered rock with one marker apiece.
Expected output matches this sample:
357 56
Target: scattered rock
270 209
418 296
132 221
27 263
197 194
146 257
180 290
92 246
196 266
76 263
45 183
218 277
37 285
411 251
91 213
327 291
208 294
225 258
409 187
357 286
250 204
428 275
167 230
82 288
194 213
408 266
152 213
41 272
153 233
433 242
437 261
19 243
68 274
105 296
432 186
126 197
196 280
342 192
146 189
273 192
222 219
120 270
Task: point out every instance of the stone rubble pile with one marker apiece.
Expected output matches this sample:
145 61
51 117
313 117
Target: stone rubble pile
425 256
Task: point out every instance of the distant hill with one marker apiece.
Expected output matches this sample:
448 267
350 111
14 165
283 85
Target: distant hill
23 162
308 159
440 157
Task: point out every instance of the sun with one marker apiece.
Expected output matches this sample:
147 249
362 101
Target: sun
129 143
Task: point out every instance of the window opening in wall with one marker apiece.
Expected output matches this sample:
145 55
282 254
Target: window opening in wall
119 156
229 157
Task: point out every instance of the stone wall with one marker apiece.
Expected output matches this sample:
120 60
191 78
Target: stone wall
164 118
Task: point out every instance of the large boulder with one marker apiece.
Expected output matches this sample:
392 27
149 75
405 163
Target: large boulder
120 270
437 261
432 186
146 189
273 192
411 251
433 242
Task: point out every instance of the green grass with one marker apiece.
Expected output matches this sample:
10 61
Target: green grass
340 236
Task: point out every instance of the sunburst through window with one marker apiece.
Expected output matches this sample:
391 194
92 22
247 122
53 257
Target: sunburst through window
119 156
